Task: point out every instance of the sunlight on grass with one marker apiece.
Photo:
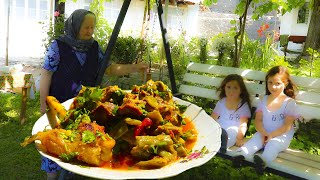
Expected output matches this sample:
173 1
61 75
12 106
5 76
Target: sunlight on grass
14 157
12 113
4 122
11 101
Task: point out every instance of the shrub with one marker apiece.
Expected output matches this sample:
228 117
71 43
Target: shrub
126 50
224 45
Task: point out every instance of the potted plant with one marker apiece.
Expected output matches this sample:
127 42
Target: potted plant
125 57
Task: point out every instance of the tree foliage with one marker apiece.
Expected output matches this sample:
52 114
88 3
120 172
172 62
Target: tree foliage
259 8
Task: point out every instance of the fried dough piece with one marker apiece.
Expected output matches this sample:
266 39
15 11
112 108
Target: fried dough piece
56 111
88 144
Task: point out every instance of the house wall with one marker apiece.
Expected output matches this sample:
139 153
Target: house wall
25 31
179 19
290 26
3 29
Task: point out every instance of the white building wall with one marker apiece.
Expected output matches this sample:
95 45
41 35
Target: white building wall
290 26
3 25
25 31
178 18
27 34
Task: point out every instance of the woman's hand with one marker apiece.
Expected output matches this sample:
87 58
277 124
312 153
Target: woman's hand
45 82
43 108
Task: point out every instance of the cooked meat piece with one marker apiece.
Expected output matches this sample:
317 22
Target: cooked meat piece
104 111
130 110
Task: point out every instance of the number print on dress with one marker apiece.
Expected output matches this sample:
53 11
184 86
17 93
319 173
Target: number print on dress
281 117
237 118
231 117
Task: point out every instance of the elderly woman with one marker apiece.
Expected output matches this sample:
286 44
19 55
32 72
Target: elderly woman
72 60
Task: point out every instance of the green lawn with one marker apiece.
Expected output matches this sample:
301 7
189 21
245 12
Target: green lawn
24 163
15 161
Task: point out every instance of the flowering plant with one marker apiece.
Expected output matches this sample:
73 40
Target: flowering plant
56 14
53 29
264 32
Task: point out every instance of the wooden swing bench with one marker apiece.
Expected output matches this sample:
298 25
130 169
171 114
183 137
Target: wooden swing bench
202 80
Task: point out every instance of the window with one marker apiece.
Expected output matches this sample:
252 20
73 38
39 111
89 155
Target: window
20 3
176 19
18 10
87 4
303 14
112 10
32 13
43 9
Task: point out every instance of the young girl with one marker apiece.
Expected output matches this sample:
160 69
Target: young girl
274 119
232 111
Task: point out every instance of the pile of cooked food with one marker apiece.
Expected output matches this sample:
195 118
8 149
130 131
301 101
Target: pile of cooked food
110 127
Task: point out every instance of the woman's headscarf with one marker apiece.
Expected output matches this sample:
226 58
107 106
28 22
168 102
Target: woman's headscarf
72 28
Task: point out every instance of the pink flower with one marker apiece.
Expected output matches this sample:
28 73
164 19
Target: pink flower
56 14
194 155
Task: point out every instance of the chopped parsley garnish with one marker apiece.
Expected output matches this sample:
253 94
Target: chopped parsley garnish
80 116
88 137
182 108
162 94
115 110
67 157
99 134
73 135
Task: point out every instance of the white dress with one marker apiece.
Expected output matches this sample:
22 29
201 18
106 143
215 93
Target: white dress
229 120
271 120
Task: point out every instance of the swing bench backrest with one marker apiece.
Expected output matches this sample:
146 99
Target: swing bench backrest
202 80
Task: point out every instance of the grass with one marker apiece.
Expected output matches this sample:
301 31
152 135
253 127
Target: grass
17 162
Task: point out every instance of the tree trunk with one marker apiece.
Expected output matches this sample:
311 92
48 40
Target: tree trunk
237 63
313 36
242 23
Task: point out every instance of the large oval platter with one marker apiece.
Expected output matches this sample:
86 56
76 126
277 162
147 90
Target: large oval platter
208 137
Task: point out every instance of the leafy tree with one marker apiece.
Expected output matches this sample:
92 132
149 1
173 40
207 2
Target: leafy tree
259 8
103 29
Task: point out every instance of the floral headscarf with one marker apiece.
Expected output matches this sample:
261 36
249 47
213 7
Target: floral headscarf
71 30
